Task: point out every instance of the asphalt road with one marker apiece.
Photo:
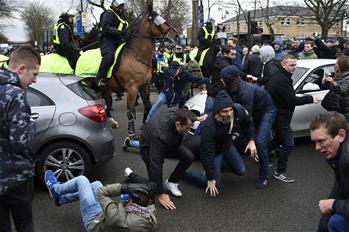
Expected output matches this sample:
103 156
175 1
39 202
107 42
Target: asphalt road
239 206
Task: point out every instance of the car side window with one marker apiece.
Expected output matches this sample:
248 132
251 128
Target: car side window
315 78
35 98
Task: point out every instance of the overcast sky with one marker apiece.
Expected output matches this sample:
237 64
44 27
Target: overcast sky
16 32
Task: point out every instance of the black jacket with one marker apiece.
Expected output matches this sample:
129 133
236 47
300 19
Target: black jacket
324 52
253 65
219 63
268 70
205 43
341 89
65 35
215 136
281 89
109 23
340 190
159 134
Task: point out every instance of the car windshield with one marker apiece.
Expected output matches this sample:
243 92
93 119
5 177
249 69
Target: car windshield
298 73
81 89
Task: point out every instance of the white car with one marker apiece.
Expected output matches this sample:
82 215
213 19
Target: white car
306 80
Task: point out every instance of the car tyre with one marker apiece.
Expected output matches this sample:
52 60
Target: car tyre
66 159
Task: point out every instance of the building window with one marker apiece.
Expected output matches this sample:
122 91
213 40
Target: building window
285 21
300 21
260 23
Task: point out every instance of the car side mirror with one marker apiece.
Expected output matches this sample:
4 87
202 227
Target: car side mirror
311 87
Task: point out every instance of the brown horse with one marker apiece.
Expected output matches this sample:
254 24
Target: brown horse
135 70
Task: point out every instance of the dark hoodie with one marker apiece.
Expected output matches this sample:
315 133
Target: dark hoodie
16 133
215 136
253 97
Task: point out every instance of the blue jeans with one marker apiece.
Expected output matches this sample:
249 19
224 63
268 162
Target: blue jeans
134 144
155 107
263 138
338 223
80 189
229 158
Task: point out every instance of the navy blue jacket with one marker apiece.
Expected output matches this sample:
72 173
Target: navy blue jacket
174 85
215 136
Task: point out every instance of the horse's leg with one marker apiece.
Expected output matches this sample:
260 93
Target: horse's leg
131 112
145 95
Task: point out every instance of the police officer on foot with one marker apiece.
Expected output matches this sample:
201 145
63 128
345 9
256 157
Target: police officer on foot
63 37
205 36
113 25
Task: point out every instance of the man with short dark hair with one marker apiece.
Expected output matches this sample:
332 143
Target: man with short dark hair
16 133
308 51
329 132
161 138
281 89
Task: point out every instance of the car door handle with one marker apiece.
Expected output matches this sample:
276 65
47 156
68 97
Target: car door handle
34 116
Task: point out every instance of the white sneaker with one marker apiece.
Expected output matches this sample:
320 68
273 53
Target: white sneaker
173 188
127 171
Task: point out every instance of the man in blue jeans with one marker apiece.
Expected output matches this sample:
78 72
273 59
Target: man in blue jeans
329 132
175 78
259 104
218 133
135 211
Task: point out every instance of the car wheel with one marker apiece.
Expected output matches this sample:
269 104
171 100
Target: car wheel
66 159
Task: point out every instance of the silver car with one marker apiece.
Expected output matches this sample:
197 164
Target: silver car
72 132
306 80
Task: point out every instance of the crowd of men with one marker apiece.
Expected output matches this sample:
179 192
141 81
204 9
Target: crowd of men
249 109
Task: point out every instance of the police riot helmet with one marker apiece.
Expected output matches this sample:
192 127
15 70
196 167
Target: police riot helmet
68 12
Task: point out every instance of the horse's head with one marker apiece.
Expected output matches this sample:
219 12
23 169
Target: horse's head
157 25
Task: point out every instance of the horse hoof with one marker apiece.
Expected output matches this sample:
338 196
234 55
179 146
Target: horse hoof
114 124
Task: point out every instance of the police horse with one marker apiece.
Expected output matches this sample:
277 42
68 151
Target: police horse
134 71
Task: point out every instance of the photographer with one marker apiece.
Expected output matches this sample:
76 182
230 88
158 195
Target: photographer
134 212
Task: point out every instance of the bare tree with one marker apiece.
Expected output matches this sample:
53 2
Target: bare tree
327 13
38 20
6 12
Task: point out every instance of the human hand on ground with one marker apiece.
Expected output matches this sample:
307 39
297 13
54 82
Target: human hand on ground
166 202
211 185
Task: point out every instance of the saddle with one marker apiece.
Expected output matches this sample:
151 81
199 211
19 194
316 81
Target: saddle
86 67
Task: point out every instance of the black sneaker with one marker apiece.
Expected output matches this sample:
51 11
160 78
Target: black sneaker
283 177
262 184
126 144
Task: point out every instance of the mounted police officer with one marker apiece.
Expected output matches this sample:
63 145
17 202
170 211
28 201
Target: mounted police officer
63 37
205 36
113 24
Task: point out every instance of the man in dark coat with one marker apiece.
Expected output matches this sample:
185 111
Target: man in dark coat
253 64
260 106
113 25
219 131
63 35
329 132
281 89
325 50
161 138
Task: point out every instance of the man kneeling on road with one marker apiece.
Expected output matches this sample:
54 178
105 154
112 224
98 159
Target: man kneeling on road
134 212
329 132
161 138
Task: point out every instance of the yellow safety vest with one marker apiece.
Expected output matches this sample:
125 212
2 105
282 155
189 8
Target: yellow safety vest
193 53
179 60
3 61
202 57
122 22
207 34
160 65
55 32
